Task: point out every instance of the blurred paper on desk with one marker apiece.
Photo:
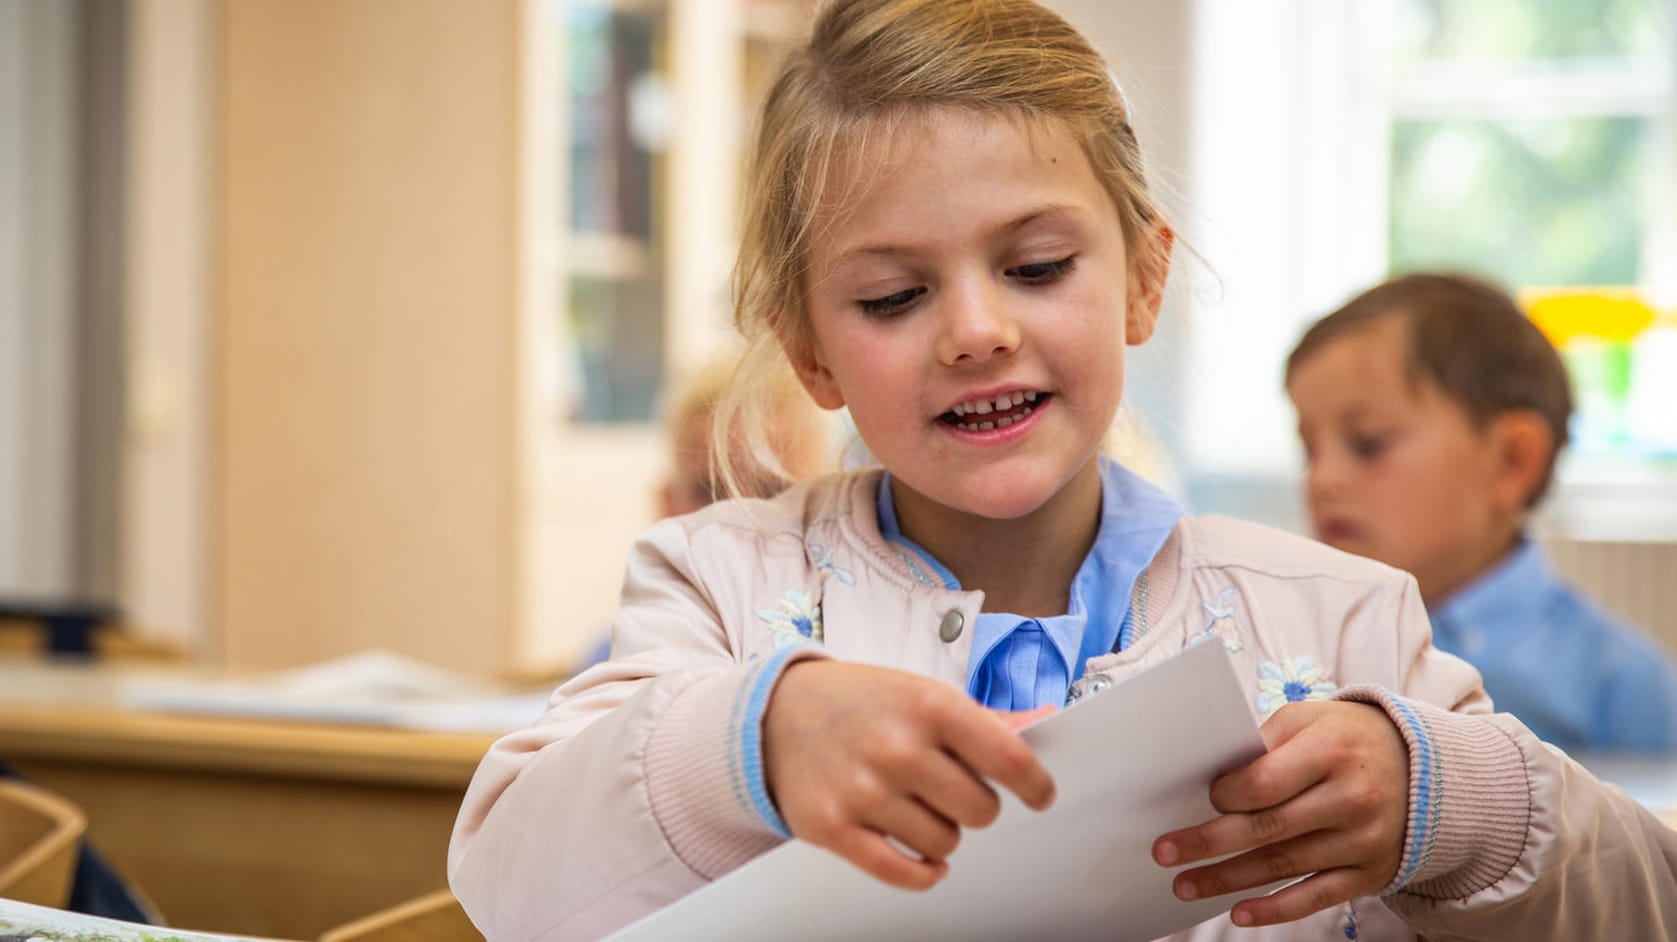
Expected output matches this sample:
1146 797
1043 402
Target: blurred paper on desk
375 688
27 921
1129 765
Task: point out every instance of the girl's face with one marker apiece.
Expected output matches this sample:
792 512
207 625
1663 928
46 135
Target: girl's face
971 305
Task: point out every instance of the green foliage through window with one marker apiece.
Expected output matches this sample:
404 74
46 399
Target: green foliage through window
1532 202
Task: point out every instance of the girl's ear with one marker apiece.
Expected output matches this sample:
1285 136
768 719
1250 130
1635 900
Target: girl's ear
1149 269
1523 447
813 373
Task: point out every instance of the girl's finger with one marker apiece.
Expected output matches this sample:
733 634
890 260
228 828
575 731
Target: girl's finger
1286 770
1325 890
916 827
981 740
1288 860
1019 719
1314 810
951 789
882 860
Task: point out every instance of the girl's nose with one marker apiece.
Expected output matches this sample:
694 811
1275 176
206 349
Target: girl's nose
977 325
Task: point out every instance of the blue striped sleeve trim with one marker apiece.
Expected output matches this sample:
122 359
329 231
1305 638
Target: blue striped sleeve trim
1427 796
1126 631
736 778
745 739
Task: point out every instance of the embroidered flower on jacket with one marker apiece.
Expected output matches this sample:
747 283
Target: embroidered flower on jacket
1292 680
796 617
1222 624
822 558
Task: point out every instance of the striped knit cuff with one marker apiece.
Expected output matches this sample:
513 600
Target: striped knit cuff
745 736
1469 798
704 767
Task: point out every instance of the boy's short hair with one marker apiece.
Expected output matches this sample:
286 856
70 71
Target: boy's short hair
1469 338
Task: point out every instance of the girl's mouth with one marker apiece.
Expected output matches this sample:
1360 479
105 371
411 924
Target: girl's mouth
983 415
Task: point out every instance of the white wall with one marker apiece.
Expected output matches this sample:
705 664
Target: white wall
1150 47
1287 183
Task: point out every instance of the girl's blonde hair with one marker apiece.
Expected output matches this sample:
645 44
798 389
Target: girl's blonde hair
867 65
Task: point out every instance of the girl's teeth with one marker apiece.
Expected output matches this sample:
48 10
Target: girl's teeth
994 404
999 422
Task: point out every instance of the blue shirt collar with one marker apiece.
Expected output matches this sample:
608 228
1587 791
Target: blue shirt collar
1522 575
1136 519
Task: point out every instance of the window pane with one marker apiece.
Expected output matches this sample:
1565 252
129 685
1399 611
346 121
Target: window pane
610 55
613 303
617 335
1532 202
1529 29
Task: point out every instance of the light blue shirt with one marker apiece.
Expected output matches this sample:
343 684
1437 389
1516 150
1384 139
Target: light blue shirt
1021 663
1572 673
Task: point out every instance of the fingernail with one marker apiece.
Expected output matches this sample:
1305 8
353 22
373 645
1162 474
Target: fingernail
1242 917
1186 890
1167 853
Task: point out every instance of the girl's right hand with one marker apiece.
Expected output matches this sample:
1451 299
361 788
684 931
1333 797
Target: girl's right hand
857 757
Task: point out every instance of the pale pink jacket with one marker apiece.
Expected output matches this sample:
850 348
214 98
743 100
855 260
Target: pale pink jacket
625 794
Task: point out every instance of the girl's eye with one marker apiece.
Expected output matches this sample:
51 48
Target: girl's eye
891 303
1044 272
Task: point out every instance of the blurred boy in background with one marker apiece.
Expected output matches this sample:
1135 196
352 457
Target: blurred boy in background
1432 412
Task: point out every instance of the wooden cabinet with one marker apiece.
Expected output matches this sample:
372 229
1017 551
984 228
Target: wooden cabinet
359 430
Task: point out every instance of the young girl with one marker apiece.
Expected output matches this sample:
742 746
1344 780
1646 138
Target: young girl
950 234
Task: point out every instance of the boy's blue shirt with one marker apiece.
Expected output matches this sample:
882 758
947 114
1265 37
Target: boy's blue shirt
1579 678
1022 663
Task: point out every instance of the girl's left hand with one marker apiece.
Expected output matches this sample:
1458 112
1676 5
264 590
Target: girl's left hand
1330 798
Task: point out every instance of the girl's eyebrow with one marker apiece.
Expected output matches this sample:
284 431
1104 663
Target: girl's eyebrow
890 250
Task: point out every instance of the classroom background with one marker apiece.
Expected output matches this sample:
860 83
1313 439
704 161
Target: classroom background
341 326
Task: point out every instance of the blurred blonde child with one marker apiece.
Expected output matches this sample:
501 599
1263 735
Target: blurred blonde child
1432 412
793 442
949 233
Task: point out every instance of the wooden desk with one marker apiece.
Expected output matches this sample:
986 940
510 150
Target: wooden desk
277 829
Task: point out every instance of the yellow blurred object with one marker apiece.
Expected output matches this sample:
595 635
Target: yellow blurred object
38 836
23 637
1565 314
20 637
124 643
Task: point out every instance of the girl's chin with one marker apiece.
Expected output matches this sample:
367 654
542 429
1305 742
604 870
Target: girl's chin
1011 501
1009 490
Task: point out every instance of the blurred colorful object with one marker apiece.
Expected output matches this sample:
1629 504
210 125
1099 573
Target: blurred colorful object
1564 314
1622 356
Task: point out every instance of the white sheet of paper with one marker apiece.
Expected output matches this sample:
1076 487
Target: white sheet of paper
1129 765
20 920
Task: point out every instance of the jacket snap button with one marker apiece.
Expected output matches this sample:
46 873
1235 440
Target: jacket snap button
950 628
1099 683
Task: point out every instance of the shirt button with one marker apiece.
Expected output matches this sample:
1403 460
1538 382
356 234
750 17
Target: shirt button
950 628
